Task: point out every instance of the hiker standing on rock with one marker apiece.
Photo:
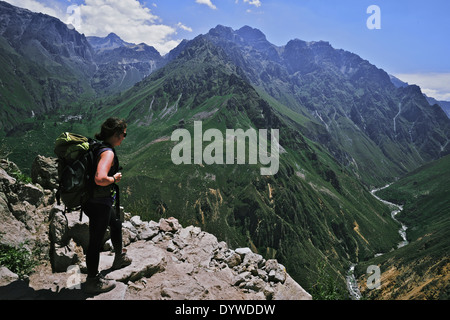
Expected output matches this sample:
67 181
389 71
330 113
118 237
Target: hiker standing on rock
100 208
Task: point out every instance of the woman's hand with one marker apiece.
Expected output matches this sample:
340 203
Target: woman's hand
117 177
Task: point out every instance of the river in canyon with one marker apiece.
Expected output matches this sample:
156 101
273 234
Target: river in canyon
352 284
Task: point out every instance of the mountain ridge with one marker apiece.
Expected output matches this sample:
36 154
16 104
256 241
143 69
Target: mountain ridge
313 79
110 42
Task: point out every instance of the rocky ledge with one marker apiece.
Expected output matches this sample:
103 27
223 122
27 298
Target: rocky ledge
169 261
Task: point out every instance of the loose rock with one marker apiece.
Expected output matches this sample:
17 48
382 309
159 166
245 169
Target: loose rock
169 261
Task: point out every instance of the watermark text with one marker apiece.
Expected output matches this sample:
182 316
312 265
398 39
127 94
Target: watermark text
374 21
241 147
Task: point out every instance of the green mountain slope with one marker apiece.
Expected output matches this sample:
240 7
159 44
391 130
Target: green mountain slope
45 65
312 210
419 270
375 129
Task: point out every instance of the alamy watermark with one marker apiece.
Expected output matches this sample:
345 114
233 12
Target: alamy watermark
74 279
374 280
237 150
74 19
374 21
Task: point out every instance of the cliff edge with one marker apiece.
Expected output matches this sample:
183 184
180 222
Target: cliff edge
170 262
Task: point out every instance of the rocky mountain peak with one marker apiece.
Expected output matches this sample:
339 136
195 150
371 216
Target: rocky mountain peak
222 32
251 35
110 42
41 37
113 37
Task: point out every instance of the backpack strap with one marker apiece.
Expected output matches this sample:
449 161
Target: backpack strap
58 195
117 200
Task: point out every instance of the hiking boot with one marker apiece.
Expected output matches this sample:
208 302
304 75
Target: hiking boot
98 284
121 261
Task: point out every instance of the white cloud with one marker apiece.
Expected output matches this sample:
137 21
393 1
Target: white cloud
36 6
207 2
435 85
256 3
182 26
437 95
129 19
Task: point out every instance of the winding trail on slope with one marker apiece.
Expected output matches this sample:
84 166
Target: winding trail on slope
395 119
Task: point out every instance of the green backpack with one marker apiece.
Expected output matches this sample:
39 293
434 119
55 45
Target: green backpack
76 169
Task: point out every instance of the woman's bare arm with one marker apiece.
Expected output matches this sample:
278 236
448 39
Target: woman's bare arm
103 167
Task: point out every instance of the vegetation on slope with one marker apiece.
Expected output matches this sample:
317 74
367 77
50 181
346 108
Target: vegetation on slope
419 270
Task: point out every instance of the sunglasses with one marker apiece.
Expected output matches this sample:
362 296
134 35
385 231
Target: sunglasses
124 134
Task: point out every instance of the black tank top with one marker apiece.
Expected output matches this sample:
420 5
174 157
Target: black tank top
106 194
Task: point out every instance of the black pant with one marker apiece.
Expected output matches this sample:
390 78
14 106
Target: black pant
100 217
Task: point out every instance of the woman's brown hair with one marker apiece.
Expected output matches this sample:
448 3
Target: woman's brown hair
111 127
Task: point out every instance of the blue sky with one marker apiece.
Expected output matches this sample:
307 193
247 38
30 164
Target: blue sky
413 42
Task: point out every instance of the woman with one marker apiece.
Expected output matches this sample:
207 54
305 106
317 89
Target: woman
99 208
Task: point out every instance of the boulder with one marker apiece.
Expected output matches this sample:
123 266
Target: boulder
243 251
290 290
20 222
5 179
31 193
199 249
12 231
145 230
44 171
148 259
8 166
169 225
63 257
59 229
7 276
233 260
24 212
79 230
275 271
